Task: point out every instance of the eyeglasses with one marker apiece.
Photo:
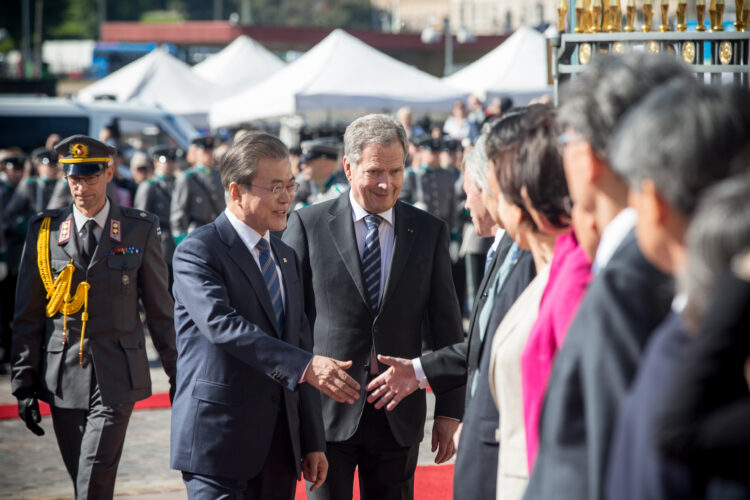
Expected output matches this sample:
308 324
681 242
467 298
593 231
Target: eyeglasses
566 138
90 180
278 188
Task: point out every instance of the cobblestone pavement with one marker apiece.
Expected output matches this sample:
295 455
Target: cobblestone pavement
31 466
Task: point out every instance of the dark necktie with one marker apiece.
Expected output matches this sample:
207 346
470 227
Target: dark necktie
89 243
268 270
371 260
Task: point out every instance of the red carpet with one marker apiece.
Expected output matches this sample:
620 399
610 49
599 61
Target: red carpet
154 402
431 482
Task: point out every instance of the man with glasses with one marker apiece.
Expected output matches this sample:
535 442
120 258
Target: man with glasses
198 196
78 342
244 422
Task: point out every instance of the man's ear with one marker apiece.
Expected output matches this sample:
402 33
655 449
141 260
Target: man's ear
655 205
234 192
347 168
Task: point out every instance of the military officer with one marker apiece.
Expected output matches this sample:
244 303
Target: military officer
13 167
430 187
198 196
319 179
84 352
33 194
155 195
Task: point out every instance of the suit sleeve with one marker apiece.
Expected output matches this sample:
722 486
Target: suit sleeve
200 289
311 415
445 322
296 237
28 323
446 368
153 283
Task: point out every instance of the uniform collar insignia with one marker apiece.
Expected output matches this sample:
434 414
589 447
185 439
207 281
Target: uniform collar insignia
64 234
115 230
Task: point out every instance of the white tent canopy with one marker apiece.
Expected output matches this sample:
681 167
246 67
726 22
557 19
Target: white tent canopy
157 79
240 64
339 73
517 67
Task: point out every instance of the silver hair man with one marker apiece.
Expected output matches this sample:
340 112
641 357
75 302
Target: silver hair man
372 129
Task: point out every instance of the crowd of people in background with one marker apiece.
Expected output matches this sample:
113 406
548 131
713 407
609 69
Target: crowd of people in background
600 252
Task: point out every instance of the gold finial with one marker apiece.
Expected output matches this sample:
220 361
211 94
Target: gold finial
615 19
648 15
745 15
629 16
700 10
664 16
739 25
562 9
681 15
587 22
596 16
580 22
717 17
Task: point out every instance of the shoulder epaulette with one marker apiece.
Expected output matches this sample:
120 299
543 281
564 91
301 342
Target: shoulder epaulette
45 213
138 214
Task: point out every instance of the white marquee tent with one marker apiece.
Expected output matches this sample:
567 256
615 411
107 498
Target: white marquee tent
339 73
239 65
158 79
516 68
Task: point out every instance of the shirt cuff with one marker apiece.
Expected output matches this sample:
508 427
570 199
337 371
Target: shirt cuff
419 373
304 372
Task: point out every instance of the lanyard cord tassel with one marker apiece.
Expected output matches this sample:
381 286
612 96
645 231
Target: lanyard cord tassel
58 291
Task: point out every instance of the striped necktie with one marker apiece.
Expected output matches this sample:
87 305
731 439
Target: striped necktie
371 260
268 270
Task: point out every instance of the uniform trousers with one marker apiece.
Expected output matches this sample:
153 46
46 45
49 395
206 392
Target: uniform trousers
277 479
91 443
385 468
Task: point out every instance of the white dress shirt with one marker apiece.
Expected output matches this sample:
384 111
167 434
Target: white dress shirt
80 220
385 236
612 236
250 237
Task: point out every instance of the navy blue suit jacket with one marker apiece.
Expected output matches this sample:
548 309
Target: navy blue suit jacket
235 369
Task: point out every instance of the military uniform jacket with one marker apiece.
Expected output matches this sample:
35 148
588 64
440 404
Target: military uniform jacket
127 265
433 190
198 199
310 194
155 196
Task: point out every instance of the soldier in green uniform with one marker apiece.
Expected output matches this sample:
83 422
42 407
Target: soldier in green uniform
78 341
33 194
198 196
155 195
319 179
13 168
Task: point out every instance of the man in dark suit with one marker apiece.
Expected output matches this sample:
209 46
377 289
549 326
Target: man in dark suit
85 355
510 271
243 422
627 298
374 269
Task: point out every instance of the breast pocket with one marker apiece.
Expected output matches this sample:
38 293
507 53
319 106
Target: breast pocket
123 273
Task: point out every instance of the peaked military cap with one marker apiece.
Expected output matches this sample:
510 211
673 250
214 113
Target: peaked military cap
83 155
162 152
327 147
43 156
203 142
429 143
449 144
16 161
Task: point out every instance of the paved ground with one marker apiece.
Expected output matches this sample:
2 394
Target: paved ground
31 466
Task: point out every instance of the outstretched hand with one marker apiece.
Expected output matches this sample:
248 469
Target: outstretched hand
393 385
329 376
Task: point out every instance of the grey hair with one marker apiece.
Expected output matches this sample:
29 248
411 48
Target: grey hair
476 164
685 136
373 129
240 163
594 101
717 233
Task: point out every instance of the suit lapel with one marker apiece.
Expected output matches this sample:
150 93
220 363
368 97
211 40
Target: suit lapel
405 231
70 245
105 243
239 253
341 227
